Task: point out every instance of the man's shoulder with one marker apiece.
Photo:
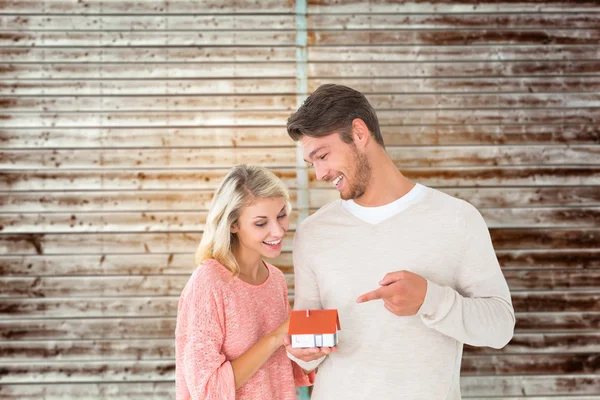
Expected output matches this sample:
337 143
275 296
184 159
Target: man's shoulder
458 209
321 216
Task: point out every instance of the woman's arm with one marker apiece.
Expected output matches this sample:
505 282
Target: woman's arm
245 366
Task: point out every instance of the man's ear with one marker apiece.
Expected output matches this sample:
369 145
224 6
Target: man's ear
234 228
360 132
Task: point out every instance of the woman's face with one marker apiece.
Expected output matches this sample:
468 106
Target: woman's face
262 225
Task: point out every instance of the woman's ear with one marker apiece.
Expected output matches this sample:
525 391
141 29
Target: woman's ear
234 228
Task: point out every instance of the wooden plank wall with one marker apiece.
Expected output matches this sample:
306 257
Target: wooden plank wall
120 117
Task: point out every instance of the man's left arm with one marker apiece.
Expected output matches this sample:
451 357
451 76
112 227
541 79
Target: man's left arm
480 311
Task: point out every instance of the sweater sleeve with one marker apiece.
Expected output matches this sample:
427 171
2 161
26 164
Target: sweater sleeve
199 337
306 287
479 312
300 377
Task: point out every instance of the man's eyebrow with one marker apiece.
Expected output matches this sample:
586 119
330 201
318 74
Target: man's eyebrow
315 151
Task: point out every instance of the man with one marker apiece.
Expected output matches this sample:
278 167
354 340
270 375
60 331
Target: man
411 270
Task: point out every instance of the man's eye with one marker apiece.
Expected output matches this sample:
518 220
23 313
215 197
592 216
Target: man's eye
323 156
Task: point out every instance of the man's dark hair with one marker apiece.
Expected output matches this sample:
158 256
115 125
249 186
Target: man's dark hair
331 109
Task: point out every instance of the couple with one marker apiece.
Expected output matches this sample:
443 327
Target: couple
411 270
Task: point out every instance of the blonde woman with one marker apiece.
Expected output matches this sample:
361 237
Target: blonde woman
233 313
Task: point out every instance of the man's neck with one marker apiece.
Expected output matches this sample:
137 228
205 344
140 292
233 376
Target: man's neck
386 186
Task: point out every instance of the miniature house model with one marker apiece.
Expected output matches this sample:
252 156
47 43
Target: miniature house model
314 328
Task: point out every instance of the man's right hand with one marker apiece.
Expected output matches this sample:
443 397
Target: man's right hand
307 354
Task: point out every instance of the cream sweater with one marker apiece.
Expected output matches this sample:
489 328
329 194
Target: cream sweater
338 256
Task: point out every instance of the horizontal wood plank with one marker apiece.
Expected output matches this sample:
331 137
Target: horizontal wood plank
532 364
100 371
314 22
545 343
174 38
458 69
586 259
150 7
471 387
153 327
411 37
176 86
87 350
209 22
276 136
100 243
172 285
182 103
544 322
173 221
377 52
156 390
284 85
157 327
454 37
552 280
175 137
526 387
450 7
182 263
39 372
148 71
148 158
288 70
285 157
450 84
554 301
288 102
182 200
185 54
491 116
394 21
50 287
342 53
149 349
209 179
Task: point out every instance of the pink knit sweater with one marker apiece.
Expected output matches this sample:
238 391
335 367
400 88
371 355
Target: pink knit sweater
218 319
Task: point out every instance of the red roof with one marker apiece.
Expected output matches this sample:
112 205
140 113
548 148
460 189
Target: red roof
317 322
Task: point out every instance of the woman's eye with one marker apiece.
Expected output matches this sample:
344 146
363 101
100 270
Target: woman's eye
261 225
323 156
282 216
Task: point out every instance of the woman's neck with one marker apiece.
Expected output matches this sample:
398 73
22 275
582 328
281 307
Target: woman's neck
252 268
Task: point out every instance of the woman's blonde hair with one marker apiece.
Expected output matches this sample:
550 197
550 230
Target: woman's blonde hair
242 185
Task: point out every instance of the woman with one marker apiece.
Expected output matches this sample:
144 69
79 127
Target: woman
233 313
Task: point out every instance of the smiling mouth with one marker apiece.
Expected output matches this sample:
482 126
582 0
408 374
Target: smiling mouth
337 180
273 243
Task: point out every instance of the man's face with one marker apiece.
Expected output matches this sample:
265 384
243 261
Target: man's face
337 162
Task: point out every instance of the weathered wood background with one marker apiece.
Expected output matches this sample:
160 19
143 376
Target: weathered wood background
120 117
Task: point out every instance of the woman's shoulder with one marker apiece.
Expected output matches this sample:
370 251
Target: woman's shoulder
209 275
275 272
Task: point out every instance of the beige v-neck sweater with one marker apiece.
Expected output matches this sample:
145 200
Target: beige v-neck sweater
337 257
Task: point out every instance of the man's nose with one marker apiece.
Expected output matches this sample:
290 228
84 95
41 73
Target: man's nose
320 172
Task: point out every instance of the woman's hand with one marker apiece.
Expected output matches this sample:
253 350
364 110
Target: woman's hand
280 333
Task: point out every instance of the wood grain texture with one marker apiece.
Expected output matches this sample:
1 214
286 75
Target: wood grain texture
585 197
120 118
